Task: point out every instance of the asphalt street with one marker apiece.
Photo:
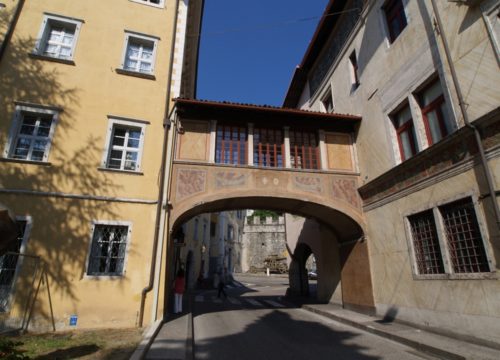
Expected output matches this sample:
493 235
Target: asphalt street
255 321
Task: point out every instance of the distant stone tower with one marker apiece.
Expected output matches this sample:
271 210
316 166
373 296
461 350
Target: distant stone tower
262 237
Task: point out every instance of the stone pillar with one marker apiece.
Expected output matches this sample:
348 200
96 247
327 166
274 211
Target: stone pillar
250 145
323 159
286 132
213 139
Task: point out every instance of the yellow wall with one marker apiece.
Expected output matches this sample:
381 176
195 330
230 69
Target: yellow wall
88 92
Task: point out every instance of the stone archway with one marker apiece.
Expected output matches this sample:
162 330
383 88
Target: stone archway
335 228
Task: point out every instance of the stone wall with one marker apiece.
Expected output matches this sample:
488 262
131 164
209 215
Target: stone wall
262 238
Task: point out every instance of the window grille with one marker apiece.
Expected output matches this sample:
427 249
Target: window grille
107 254
268 147
428 255
231 145
303 150
8 267
465 243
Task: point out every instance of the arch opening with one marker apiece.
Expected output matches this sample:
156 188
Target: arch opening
311 229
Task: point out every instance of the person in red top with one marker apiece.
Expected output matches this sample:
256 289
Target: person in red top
179 287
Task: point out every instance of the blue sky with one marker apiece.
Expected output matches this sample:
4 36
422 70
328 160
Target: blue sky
249 49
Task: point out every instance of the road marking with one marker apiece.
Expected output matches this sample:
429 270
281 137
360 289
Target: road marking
253 302
234 301
274 303
199 298
215 299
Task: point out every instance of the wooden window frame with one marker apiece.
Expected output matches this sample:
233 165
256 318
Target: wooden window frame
435 105
407 126
309 153
239 143
265 150
394 9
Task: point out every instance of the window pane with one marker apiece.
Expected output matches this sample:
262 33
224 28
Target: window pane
44 127
434 126
28 125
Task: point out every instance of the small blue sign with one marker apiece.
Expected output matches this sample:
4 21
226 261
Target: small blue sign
72 320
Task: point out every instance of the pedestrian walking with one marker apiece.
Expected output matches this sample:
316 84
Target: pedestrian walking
222 284
179 287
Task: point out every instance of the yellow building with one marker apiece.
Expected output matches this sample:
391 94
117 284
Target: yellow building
85 91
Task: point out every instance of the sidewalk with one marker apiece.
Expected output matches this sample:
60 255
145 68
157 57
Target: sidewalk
433 344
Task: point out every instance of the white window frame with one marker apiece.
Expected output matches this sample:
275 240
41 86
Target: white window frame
114 122
161 3
22 250
127 248
443 242
19 113
130 35
48 21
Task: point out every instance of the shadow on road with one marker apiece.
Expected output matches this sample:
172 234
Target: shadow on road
292 339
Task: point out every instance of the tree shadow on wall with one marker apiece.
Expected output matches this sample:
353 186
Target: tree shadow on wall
61 228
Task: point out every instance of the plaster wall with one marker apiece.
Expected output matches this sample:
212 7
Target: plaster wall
467 305
88 92
60 235
325 248
392 73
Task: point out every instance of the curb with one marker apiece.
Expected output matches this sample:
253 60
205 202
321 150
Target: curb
431 350
148 338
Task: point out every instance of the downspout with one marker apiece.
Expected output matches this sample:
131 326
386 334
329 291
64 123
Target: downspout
461 102
10 29
159 207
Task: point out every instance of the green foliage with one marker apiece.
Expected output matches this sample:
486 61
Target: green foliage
265 213
8 350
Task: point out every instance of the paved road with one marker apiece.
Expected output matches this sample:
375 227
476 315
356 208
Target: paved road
256 322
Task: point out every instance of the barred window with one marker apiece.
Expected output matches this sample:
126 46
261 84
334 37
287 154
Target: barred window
465 243
231 145
107 255
268 147
428 255
8 266
303 150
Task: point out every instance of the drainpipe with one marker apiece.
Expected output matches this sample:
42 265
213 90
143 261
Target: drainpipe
160 207
477 135
10 29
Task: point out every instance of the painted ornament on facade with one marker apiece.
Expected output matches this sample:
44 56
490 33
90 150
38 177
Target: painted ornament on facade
190 182
308 183
345 190
225 179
